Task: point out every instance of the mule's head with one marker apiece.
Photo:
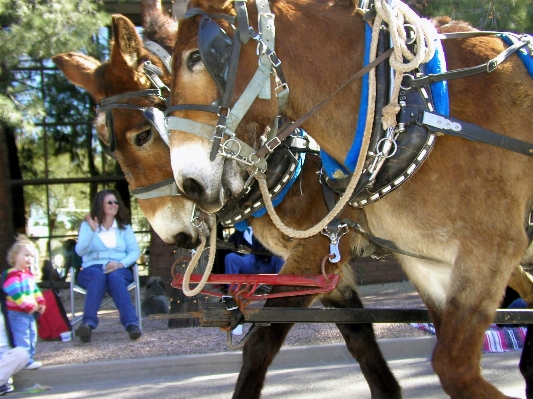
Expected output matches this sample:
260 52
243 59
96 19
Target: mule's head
135 135
208 78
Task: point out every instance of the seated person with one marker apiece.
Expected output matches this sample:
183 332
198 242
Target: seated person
253 263
108 248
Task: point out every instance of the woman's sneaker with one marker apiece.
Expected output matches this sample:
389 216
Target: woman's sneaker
33 366
84 332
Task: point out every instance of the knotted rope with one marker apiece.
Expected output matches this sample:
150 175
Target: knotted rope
194 261
424 34
343 201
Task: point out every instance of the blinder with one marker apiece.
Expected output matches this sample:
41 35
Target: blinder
153 115
215 49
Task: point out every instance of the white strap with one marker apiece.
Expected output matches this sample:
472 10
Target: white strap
160 52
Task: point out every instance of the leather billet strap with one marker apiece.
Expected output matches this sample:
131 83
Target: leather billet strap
164 188
236 316
456 127
487 67
381 242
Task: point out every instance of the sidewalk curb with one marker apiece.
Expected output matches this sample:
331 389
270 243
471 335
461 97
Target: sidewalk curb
211 364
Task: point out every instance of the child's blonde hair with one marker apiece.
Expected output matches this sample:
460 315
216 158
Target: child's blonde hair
13 251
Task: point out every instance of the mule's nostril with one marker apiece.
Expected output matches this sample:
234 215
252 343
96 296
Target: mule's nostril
193 189
184 240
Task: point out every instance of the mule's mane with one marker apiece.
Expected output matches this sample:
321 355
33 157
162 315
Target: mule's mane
446 24
160 28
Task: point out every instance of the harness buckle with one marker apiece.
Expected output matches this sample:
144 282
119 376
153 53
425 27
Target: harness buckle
219 132
492 65
274 60
282 90
274 146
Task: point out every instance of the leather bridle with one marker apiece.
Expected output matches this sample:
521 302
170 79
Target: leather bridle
153 115
222 67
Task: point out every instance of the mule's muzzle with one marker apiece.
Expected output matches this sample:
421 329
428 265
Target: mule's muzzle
185 240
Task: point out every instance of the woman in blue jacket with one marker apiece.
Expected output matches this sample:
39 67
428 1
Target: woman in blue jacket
108 248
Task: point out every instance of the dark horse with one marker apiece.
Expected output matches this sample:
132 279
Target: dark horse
145 159
465 210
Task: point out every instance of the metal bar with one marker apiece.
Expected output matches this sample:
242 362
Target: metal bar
334 315
99 179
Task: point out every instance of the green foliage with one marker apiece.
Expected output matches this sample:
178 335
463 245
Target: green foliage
42 28
501 15
34 30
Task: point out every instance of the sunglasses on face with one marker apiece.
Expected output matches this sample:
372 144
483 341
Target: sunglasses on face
112 202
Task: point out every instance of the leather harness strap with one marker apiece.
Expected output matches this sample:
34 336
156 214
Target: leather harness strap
488 67
291 127
456 127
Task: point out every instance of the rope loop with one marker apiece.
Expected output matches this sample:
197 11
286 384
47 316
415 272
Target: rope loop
403 23
194 261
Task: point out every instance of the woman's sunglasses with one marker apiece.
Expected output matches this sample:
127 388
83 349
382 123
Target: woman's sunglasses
112 202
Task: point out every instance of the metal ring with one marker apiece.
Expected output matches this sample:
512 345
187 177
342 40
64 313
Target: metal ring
393 142
407 75
225 150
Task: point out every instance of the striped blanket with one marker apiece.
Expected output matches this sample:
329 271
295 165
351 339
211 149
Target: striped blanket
504 339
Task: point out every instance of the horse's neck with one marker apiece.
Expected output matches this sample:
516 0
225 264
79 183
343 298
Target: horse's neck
320 49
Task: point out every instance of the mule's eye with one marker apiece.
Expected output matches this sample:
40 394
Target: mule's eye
143 137
194 58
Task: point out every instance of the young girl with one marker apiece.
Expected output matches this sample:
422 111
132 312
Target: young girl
24 299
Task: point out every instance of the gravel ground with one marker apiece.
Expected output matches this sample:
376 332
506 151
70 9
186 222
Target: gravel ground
110 341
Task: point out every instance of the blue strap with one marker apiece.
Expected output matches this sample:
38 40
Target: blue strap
334 169
522 53
439 90
243 224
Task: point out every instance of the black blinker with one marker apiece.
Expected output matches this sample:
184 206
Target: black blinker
215 49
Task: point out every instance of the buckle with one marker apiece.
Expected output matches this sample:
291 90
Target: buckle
269 148
492 65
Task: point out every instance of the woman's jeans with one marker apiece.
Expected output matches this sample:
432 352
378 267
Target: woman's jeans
96 282
24 330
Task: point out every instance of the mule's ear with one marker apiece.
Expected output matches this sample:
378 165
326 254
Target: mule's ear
79 69
127 44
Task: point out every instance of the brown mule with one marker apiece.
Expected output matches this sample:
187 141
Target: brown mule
466 207
145 159
140 150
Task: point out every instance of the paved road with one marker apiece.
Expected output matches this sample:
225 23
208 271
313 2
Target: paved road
313 372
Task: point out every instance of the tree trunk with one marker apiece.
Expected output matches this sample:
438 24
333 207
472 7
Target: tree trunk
7 230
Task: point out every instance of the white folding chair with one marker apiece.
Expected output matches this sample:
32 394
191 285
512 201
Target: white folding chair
107 301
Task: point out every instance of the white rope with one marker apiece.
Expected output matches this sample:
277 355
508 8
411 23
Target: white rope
425 33
356 174
194 261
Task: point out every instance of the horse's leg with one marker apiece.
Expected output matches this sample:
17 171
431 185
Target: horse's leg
262 347
361 343
468 312
526 362
521 282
